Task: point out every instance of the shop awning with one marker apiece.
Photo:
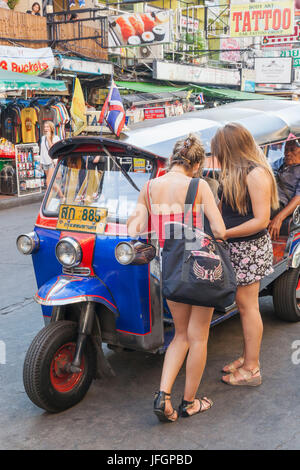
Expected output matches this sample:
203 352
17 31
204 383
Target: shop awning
21 81
151 87
227 93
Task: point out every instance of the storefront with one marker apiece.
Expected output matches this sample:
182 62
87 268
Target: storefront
151 101
26 103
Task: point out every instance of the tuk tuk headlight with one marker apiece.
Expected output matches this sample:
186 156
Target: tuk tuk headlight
27 243
124 253
134 252
68 252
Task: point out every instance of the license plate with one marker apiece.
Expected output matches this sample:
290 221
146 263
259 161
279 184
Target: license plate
81 219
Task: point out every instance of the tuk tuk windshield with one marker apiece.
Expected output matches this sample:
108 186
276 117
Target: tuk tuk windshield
98 181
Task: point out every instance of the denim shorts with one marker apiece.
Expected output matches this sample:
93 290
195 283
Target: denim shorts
47 167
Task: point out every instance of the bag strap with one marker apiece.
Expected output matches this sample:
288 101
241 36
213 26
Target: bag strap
191 199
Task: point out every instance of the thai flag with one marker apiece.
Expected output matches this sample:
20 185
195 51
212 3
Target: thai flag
113 111
201 98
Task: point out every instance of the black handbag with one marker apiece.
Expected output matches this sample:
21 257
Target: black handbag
196 268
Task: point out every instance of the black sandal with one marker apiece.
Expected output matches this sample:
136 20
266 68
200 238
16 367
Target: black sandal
185 405
159 407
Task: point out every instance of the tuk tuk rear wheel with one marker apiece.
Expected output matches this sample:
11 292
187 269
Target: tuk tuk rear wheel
286 296
47 381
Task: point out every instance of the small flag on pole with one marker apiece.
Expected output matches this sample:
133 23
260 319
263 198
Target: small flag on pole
201 98
113 111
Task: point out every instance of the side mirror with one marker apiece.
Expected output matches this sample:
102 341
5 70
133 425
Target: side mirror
296 216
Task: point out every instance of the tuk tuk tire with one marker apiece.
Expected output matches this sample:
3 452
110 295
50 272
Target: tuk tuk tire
285 302
38 365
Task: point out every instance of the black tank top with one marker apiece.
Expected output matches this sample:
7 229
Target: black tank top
232 218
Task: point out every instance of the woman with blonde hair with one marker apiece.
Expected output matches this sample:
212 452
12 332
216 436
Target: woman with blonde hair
247 193
48 139
164 198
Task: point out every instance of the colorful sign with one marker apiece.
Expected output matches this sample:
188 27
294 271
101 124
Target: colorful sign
273 70
261 18
294 54
26 60
140 29
154 113
230 50
283 41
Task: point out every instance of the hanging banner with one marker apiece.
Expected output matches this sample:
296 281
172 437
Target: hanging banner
78 110
26 60
261 18
140 29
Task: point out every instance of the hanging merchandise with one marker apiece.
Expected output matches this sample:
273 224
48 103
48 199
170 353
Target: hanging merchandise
46 113
11 123
29 120
62 118
81 3
29 174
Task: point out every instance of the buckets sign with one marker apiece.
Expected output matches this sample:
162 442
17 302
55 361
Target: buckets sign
262 18
26 60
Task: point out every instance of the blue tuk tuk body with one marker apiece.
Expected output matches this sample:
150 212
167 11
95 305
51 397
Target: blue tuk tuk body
88 293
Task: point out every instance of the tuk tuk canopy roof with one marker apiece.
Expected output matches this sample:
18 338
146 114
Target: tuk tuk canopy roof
22 81
267 120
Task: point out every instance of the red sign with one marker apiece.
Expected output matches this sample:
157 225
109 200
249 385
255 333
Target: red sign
154 113
274 41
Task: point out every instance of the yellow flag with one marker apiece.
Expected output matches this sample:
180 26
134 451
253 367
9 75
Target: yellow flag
78 111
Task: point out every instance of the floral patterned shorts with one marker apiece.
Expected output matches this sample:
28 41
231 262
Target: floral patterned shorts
252 260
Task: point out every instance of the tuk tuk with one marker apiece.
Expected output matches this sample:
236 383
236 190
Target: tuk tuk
95 284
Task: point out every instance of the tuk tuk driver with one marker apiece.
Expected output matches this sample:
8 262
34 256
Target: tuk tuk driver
288 183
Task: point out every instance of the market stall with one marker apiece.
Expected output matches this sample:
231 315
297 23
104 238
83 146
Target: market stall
22 117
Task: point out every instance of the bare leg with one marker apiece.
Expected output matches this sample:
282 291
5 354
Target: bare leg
177 349
248 305
198 331
49 174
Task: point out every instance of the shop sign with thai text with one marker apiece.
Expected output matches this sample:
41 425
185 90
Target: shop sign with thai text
294 53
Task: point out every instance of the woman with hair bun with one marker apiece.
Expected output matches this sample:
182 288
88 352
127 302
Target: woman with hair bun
163 199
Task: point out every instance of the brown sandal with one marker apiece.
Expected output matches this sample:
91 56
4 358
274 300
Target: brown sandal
231 367
248 378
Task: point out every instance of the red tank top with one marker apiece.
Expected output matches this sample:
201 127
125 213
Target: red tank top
157 222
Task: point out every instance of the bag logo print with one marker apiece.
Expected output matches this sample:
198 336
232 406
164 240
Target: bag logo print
200 272
211 275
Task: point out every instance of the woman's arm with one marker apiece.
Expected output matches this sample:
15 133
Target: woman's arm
211 211
259 187
137 222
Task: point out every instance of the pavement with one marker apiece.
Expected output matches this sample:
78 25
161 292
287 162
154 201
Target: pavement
8 202
116 413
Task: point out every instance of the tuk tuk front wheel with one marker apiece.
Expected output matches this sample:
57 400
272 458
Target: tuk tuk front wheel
286 296
47 380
